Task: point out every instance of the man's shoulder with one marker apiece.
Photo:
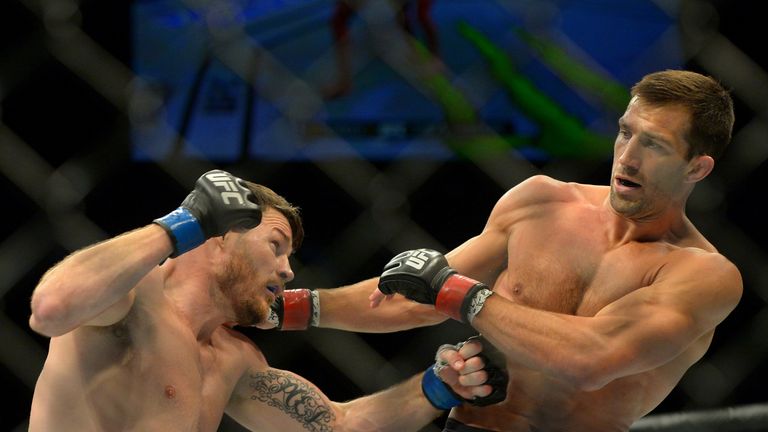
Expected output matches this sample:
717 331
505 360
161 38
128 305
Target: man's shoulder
710 275
698 255
225 336
543 189
695 262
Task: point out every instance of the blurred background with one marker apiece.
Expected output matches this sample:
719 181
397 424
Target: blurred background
392 125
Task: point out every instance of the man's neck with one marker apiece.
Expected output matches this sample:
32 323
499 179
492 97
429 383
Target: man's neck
668 225
192 289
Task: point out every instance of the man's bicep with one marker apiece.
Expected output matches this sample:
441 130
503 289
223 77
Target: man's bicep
481 257
654 324
485 255
114 313
704 286
148 290
274 399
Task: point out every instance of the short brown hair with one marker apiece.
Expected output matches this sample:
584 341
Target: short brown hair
266 197
710 105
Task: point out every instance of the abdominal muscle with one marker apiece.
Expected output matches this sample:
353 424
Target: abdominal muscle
536 402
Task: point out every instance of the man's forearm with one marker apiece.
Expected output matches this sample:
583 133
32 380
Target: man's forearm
91 280
402 407
348 308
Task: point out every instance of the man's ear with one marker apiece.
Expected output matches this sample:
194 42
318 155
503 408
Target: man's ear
699 167
218 241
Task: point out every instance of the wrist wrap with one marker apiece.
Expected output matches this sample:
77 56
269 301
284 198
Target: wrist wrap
301 309
461 298
437 392
183 229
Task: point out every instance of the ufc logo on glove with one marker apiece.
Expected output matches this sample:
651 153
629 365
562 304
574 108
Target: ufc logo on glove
418 258
220 202
226 182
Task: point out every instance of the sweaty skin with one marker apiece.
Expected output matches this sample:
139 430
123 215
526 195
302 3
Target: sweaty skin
604 295
137 346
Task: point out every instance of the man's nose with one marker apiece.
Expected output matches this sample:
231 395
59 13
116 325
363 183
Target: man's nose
285 272
630 155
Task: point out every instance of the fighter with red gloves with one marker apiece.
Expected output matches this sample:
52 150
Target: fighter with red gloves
409 273
142 342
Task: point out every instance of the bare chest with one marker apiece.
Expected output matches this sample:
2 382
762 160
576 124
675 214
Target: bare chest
567 267
163 380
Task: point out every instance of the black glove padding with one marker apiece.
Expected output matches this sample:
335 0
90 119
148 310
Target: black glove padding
496 368
222 202
442 396
417 274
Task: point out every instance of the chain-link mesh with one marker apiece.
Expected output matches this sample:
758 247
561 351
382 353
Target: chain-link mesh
70 104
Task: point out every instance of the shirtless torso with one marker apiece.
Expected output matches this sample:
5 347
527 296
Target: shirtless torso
147 372
137 346
554 254
561 258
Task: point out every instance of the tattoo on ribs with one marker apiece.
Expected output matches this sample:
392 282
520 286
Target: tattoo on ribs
295 398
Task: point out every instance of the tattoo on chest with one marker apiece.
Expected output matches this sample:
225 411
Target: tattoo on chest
295 398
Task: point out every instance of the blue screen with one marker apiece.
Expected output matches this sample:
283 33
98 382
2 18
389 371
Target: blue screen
308 80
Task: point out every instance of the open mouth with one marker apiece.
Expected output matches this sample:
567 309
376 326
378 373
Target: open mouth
627 183
274 289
